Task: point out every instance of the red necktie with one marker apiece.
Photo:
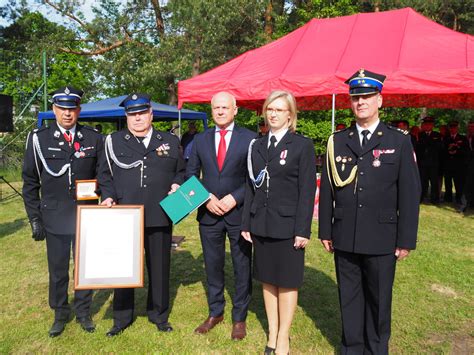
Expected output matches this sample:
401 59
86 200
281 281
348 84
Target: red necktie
222 149
68 137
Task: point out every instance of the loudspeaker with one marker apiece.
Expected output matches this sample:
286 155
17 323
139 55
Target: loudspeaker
6 113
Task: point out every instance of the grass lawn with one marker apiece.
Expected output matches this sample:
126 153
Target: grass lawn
432 306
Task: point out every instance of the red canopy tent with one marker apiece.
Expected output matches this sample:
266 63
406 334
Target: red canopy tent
427 65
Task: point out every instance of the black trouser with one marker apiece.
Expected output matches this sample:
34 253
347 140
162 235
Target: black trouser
157 254
456 175
59 254
213 246
429 177
468 190
365 297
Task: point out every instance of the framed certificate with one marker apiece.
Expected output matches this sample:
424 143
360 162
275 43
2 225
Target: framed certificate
109 247
85 190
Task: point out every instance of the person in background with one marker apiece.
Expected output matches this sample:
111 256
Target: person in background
443 130
262 128
468 191
146 166
340 126
278 211
454 164
403 125
220 155
368 215
429 152
55 157
187 139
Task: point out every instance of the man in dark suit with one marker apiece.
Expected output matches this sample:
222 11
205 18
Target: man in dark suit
368 215
146 166
55 157
220 154
456 153
428 153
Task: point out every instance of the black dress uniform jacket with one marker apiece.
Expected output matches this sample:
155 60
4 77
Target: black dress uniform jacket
286 210
429 149
53 199
160 171
378 210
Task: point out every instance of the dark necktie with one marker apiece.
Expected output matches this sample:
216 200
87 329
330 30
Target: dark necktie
365 133
271 147
221 152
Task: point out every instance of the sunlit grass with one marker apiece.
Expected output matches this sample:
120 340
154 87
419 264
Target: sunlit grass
432 306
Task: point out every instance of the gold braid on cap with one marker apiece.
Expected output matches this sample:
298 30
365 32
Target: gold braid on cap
331 166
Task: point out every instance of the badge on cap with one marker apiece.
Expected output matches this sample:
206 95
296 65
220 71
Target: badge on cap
67 91
134 97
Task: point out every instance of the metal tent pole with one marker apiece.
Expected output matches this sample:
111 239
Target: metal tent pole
333 115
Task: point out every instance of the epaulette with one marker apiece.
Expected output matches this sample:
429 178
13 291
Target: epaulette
341 130
405 132
90 128
301 135
40 129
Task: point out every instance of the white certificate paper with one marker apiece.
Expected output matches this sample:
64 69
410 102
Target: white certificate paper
109 247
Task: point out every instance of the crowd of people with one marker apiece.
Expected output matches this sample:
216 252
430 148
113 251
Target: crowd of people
262 190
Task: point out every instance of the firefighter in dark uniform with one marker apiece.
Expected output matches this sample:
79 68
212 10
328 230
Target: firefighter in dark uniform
368 215
456 153
429 153
146 165
468 190
55 157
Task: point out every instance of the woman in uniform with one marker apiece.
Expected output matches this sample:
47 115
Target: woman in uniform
278 211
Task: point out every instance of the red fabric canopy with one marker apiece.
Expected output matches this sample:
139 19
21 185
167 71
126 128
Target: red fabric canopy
427 65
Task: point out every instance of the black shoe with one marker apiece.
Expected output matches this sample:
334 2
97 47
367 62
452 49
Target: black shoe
86 323
115 330
164 327
57 328
268 350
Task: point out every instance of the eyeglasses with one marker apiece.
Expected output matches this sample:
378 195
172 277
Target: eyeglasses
278 111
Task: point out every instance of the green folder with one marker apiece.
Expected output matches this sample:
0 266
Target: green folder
185 200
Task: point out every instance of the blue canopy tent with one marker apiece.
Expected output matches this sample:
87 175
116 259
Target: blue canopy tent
108 110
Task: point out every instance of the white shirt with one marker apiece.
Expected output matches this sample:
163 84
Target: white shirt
278 136
72 131
371 129
227 136
147 138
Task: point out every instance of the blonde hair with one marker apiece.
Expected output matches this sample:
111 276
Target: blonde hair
291 102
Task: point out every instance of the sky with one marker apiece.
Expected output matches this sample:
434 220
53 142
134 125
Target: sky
49 12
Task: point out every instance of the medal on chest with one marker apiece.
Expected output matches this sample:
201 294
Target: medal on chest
376 154
283 156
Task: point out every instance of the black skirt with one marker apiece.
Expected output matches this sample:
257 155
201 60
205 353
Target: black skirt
277 262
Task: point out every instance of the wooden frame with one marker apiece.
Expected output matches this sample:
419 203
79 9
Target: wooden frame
87 187
109 247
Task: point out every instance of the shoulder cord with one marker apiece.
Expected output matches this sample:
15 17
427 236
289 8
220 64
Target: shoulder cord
37 150
109 149
261 176
332 170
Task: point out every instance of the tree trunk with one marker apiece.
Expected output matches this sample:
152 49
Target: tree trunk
172 92
269 25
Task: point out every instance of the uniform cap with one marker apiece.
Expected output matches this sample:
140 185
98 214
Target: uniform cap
67 97
136 103
428 119
453 124
364 82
